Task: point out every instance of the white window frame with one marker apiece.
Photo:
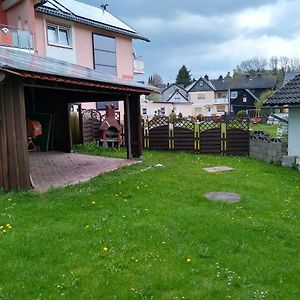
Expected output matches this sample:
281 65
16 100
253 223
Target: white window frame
144 111
233 94
201 96
57 30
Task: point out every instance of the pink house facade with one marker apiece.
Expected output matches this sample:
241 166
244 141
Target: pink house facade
74 32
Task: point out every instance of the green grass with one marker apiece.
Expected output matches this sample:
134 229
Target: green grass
270 129
152 221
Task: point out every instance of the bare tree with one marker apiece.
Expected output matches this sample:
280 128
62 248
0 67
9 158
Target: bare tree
284 63
155 80
273 63
295 64
253 65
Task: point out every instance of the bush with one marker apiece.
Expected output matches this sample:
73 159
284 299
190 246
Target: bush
241 114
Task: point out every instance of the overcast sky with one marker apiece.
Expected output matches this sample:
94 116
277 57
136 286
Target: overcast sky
209 37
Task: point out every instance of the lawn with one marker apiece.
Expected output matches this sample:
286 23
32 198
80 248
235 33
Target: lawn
268 128
147 232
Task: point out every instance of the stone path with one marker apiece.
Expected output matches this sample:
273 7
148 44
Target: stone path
57 169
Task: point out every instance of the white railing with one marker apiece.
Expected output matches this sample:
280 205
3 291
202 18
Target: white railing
221 101
16 38
138 65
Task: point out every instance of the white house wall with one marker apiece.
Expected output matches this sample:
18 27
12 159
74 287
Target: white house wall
294 132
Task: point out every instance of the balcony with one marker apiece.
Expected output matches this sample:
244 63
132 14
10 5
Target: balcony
16 38
138 65
221 101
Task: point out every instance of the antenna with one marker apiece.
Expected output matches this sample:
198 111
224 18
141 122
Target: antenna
104 6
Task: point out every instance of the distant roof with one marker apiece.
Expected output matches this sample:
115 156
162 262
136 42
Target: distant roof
253 82
289 75
202 87
289 94
36 66
221 84
89 15
189 87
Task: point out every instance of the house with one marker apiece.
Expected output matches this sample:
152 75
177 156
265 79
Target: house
245 90
202 95
289 97
172 98
52 56
75 32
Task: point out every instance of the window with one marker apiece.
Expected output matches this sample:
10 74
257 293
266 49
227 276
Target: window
201 96
144 111
233 95
220 108
58 35
163 110
244 99
105 54
200 82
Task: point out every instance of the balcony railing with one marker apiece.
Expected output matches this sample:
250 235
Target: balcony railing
221 101
138 65
16 38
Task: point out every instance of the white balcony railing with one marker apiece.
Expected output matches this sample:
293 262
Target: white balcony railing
138 65
221 101
16 38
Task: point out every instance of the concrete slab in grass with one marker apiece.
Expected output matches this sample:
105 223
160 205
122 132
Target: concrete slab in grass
218 169
223 197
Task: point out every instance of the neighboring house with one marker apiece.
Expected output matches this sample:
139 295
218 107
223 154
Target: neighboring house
246 89
174 93
202 95
289 97
221 101
289 75
75 32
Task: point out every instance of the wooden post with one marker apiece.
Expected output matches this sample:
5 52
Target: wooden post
133 128
13 143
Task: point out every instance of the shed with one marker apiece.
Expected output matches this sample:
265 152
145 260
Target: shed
289 96
32 84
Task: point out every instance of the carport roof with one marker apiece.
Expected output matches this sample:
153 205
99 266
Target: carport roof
50 69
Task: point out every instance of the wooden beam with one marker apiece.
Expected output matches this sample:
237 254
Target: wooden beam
2 76
7 4
133 128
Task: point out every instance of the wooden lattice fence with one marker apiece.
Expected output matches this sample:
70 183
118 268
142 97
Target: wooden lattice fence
224 137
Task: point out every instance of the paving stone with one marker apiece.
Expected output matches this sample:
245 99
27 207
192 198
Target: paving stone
57 169
218 169
223 197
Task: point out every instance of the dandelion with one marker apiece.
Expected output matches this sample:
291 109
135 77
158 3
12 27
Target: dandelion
105 249
189 260
93 202
163 243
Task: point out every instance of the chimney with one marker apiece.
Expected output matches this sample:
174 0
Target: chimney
206 77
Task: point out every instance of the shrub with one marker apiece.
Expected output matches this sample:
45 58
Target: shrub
241 114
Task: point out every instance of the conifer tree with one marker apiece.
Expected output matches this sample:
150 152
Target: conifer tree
184 76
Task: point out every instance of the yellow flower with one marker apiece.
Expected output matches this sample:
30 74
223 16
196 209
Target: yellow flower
93 202
189 260
105 249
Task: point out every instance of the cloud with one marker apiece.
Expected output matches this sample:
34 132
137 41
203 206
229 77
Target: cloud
209 37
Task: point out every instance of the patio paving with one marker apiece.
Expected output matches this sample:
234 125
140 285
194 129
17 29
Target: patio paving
57 169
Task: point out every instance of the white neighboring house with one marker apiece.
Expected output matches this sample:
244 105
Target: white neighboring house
289 97
173 98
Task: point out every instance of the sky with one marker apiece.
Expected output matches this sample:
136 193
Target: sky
209 37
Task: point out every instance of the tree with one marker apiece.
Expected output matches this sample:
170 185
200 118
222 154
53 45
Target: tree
184 76
262 98
155 80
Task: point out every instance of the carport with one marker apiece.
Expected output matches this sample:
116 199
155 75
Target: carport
34 84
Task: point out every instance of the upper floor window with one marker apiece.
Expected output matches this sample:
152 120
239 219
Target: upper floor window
201 96
233 94
105 54
59 35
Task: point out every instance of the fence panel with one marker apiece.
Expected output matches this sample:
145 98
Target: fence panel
237 138
91 120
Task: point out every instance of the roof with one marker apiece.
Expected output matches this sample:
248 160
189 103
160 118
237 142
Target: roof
89 15
177 91
289 94
45 68
202 87
253 82
221 84
289 75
